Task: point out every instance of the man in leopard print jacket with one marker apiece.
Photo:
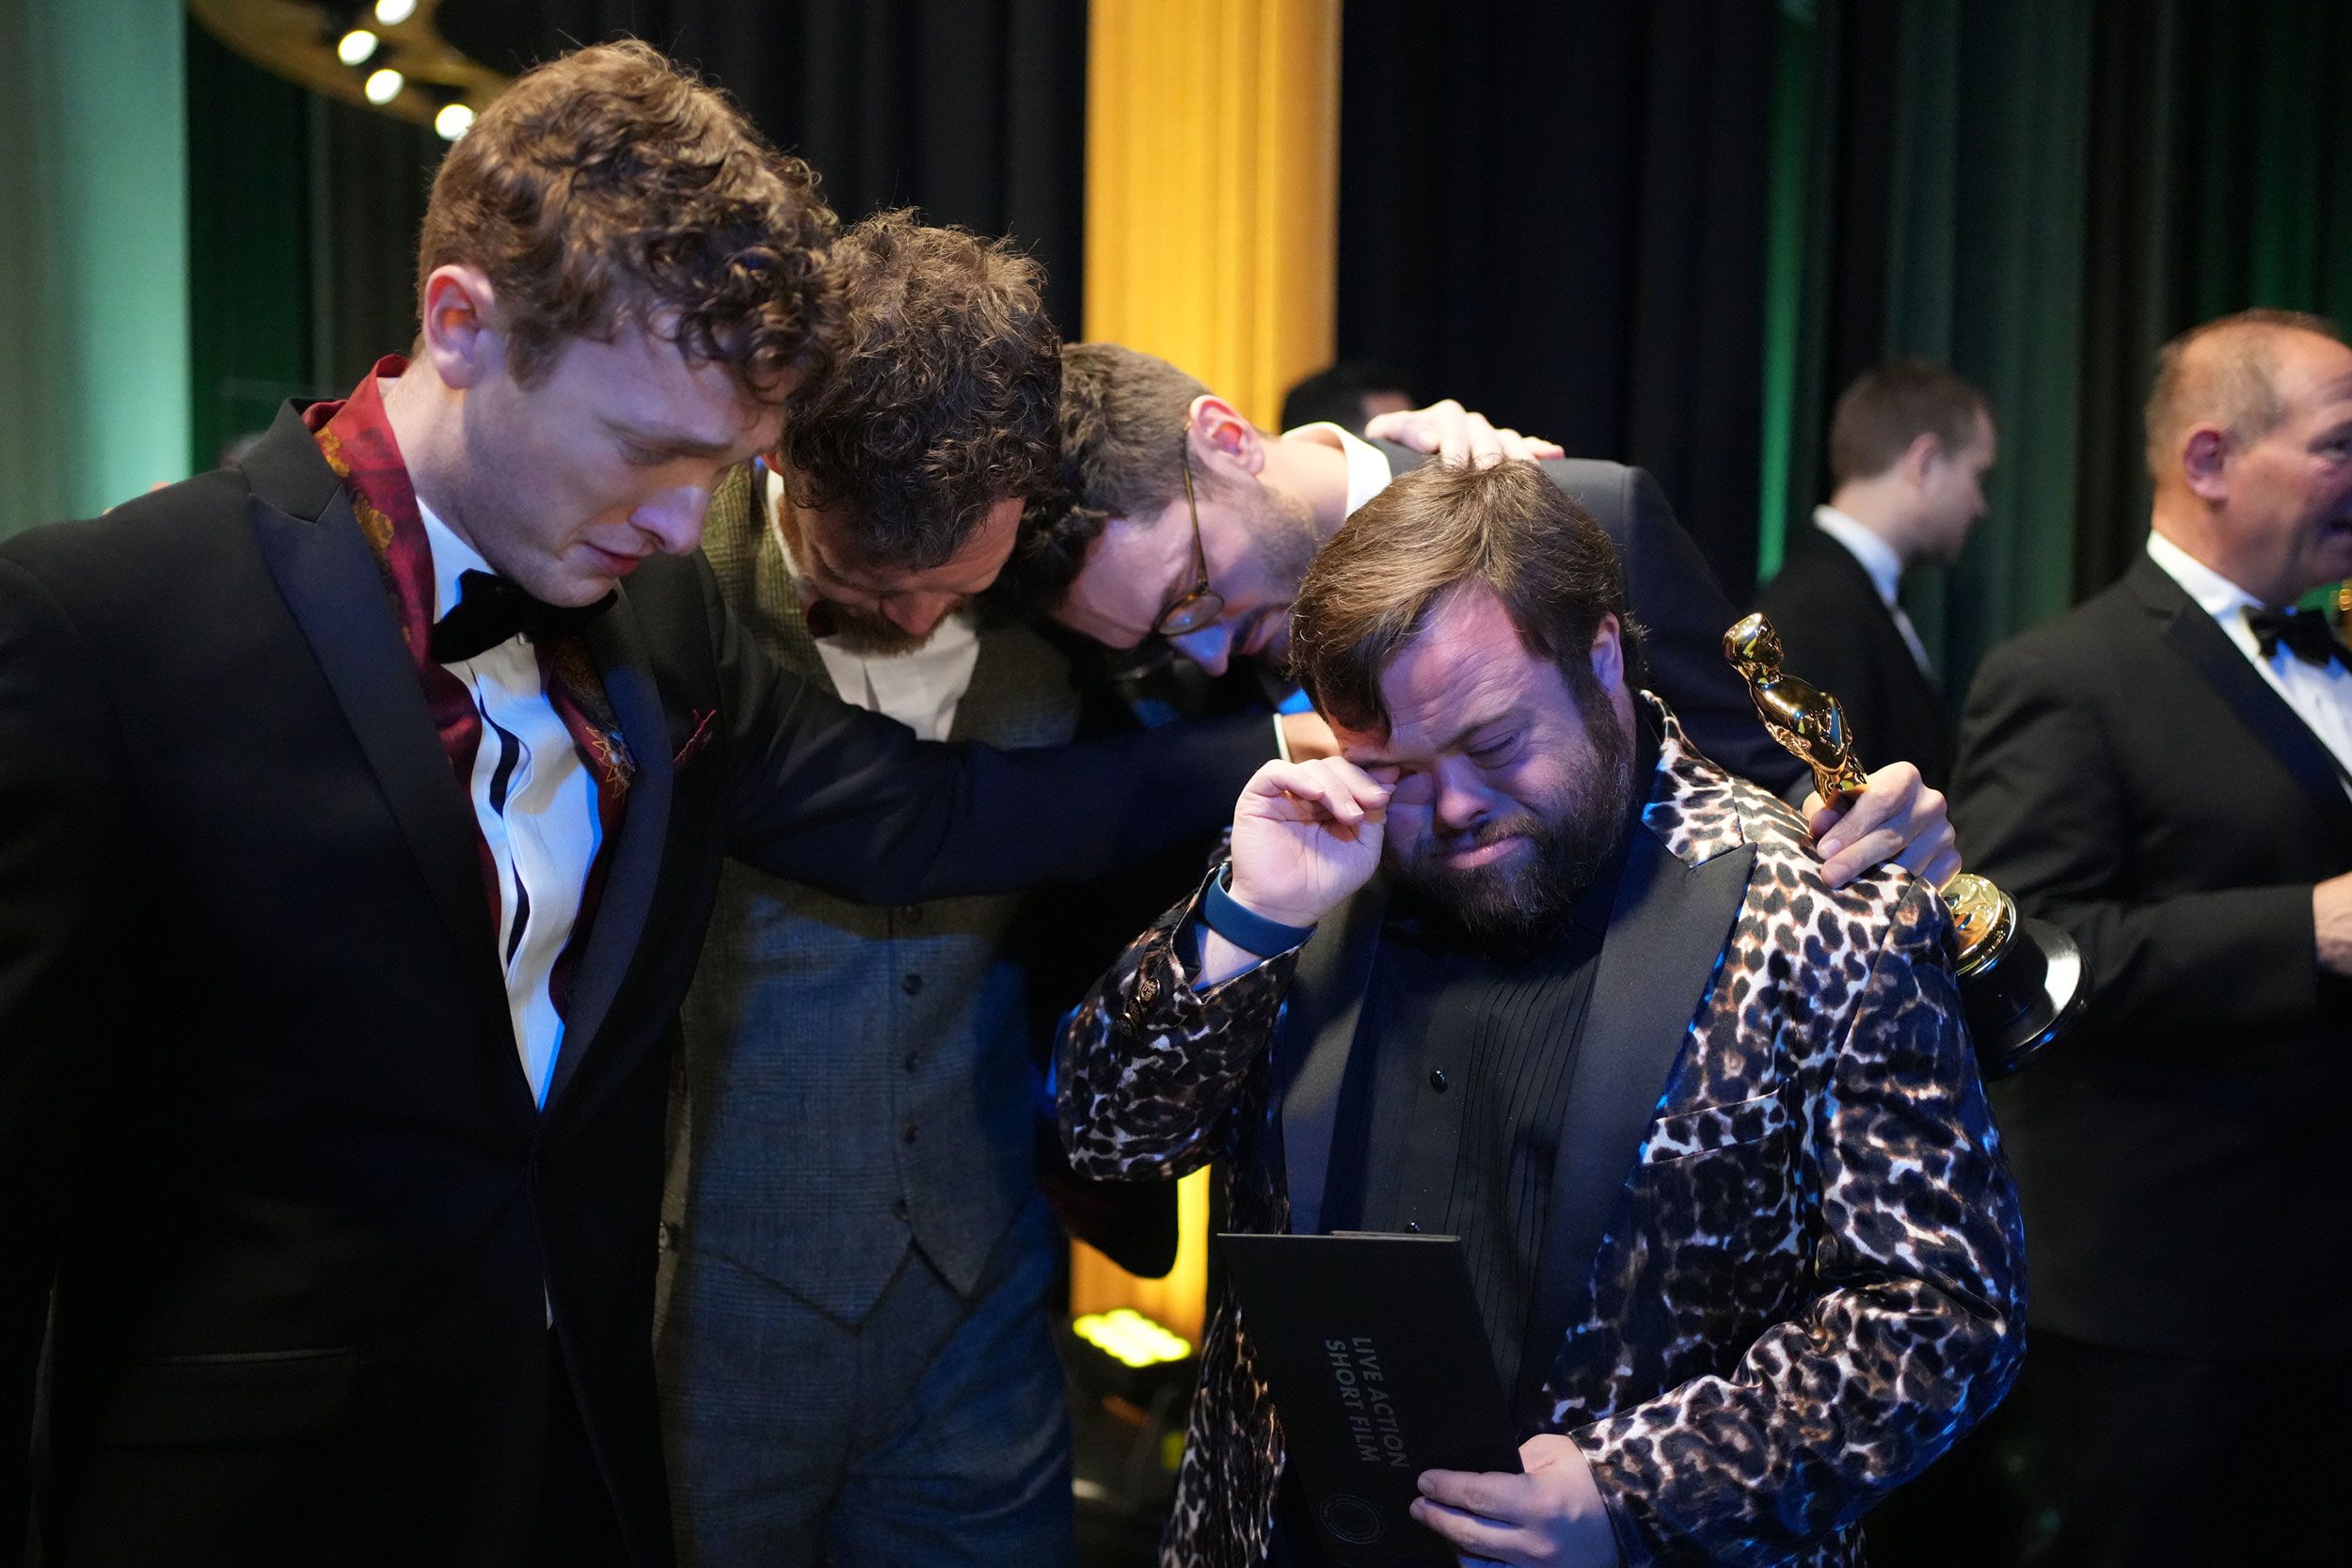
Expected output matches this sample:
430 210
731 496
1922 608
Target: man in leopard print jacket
1734 1210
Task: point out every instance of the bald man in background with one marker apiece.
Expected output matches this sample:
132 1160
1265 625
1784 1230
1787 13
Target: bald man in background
2163 772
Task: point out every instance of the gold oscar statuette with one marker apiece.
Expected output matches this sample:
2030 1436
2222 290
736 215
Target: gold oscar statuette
2021 981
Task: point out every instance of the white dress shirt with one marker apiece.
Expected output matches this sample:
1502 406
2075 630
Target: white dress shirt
919 688
2321 698
1368 471
1886 569
535 802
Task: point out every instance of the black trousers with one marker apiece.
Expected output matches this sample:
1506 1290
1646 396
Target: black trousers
576 1527
2160 1460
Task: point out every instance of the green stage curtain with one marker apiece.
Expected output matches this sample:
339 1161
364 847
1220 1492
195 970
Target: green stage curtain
94 315
2039 193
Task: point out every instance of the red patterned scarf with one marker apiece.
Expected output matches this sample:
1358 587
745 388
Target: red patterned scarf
355 437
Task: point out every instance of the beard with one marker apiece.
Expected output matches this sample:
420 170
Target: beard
1521 901
861 631
1282 545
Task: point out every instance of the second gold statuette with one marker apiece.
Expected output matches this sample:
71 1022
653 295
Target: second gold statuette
2021 980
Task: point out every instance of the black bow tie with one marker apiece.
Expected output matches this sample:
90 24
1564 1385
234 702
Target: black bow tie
2306 633
491 609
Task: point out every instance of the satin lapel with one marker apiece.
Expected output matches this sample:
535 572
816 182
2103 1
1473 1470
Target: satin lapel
1666 935
331 582
1319 1021
618 646
2192 634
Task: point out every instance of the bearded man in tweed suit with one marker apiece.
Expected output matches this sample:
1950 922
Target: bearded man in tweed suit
854 1347
1527 969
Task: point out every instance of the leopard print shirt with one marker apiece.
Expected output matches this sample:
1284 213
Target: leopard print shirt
1812 1285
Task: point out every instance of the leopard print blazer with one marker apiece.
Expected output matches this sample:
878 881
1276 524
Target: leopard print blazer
1811 1283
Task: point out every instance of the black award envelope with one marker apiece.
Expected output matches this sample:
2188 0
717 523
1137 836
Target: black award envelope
1379 1364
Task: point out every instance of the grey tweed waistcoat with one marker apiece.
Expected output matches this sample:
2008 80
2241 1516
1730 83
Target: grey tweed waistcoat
856 1080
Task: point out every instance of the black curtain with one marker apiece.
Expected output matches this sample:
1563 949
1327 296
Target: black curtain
972 110
303 214
1554 211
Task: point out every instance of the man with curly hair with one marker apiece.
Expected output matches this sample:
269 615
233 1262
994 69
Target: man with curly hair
854 1343
361 810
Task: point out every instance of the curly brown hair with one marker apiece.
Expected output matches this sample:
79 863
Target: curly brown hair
940 397
607 187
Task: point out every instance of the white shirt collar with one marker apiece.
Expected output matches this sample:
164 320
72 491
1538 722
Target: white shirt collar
451 557
1368 471
1878 557
2214 594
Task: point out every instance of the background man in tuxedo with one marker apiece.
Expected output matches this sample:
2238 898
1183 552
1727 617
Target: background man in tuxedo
1180 520
1738 1231
361 810
2162 773
1908 446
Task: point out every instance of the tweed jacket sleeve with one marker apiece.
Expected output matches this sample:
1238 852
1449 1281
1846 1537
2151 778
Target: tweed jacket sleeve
1148 1070
1914 1325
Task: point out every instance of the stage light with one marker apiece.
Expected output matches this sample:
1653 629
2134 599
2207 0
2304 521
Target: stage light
453 121
392 13
357 46
1130 1338
383 86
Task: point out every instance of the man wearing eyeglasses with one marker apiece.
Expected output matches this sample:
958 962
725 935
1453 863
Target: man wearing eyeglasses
1187 523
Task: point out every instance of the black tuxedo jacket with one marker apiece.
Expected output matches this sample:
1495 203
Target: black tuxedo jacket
1841 636
2185 1159
1682 612
262 1126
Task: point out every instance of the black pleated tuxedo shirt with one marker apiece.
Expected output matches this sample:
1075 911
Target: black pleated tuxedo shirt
1450 1124
1450 1113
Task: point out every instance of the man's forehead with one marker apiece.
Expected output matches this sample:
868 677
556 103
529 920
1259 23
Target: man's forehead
650 385
1464 666
2311 372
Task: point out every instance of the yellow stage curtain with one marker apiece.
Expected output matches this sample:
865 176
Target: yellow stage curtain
1212 230
1211 239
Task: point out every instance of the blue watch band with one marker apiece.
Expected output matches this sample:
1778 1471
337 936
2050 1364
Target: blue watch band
1251 933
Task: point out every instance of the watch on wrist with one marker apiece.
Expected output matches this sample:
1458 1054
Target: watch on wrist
1246 929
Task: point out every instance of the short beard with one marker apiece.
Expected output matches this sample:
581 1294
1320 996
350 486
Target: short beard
1281 535
861 631
1282 545
1521 903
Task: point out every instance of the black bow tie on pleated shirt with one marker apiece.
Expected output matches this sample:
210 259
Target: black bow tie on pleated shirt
491 609
2306 632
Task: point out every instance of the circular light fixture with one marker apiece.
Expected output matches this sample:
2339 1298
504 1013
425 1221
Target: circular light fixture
453 121
383 86
357 47
392 13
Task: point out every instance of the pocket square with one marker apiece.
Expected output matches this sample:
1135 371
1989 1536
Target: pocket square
706 725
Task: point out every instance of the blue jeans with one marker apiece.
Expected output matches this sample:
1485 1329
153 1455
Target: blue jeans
935 1431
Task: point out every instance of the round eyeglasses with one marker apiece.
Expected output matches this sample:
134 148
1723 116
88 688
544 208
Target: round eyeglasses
1199 606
